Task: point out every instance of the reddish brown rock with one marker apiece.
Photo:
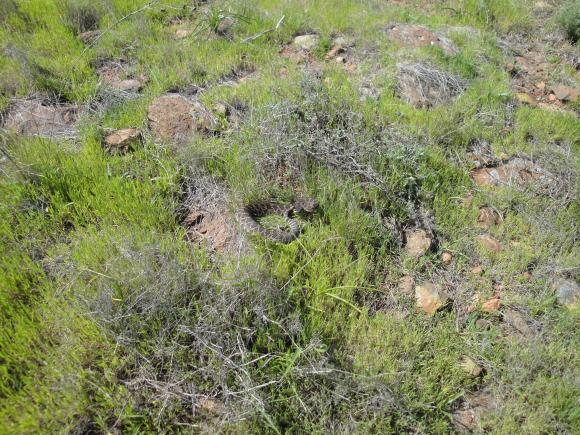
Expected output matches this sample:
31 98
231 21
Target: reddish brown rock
488 217
489 242
565 93
418 242
446 258
414 36
174 118
34 118
122 141
492 305
516 170
429 298
406 285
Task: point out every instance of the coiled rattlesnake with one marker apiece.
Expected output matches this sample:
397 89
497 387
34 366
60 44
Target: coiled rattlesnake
250 215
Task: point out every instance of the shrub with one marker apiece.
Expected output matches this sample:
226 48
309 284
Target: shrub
82 15
569 20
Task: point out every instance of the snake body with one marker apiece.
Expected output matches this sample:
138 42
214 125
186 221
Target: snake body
249 217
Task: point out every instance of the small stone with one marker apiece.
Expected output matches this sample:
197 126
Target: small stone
121 141
552 97
340 59
183 33
541 86
429 298
334 51
446 258
406 285
306 42
418 243
489 242
526 99
567 293
470 366
415 36
476 270
487 217
129 85
89 36
565 93
492 305
517 322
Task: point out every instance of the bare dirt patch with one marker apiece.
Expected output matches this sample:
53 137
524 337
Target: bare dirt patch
36 118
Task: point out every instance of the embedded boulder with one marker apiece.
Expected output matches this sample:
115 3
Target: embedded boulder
415 36
174 118
35 118
122 141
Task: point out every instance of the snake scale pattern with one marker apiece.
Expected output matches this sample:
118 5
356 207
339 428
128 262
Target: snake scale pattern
249 217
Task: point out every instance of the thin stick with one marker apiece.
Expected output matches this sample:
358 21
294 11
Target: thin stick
273 29
116 23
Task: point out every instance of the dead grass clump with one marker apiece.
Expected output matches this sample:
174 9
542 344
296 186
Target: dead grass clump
82 15
423 86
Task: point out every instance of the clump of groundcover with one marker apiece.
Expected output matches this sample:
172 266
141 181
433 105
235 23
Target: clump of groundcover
569 20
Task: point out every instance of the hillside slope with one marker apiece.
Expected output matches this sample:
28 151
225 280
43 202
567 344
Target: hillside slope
424 154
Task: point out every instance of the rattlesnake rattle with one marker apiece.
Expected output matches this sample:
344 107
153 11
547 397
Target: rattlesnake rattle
249 216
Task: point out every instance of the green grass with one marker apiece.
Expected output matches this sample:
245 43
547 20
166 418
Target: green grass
111 320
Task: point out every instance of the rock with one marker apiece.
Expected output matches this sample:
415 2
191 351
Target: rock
129 85
89 36
487 217
429 298
491 306
567 293
414 36
340 59
541 85
476 270
406 285
306 42
423 86
565 93
524 98
489 242
112 75
183 33
172 117
334 52
474 407
514 319
446 258
516 170
34 118
418 242
470 366
121 141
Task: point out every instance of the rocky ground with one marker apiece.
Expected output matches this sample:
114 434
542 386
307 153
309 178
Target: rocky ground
435 289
